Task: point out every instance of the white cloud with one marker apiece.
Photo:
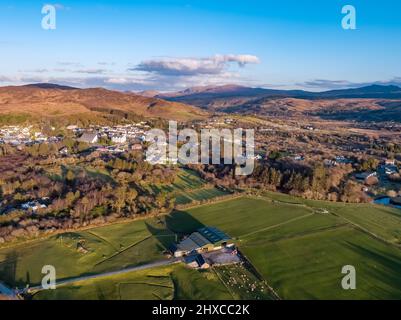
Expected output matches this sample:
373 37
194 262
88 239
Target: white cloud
91 71
194 66
159 74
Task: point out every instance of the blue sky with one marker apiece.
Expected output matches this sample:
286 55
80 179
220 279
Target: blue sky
172 44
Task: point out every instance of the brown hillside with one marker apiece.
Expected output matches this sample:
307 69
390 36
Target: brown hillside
56 102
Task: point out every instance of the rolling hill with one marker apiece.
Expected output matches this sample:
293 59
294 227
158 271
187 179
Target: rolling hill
53 101
370 103
232 95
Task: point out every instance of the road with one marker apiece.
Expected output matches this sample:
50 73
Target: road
160 263
6 291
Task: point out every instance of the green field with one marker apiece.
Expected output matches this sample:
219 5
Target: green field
296 246
301 254
108 248
163 283
187 187
243 284
237 217
186 197
384 222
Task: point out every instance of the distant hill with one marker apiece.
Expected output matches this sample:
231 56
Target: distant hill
225 96
54 101
49 86
148 93
294 107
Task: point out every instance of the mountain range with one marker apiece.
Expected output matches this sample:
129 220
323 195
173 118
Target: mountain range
233 95
46 100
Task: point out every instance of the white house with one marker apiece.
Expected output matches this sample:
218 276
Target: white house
33 205
119 138
389 162
89 137
63 151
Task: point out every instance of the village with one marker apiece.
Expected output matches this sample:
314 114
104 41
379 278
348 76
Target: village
288 143
24 135
19 136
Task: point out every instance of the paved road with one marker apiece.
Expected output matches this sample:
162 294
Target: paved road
6 291
113 273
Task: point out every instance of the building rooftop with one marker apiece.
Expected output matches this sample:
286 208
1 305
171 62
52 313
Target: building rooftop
202 237
193 242
88 137
213 234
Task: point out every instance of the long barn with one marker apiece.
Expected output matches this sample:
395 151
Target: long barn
203 240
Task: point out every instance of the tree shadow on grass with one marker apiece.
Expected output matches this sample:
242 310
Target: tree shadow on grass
181 222
391 273
165 237
8 269
169 229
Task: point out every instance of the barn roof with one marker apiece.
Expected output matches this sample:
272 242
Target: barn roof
213 234
201 238
193 242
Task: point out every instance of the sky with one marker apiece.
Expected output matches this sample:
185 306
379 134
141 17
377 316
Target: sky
170 45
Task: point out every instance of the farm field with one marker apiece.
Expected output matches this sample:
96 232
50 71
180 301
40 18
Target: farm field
237 217
162 283
93 251
187 188
297 246
385 222
243 284
300 251
308 266
186 197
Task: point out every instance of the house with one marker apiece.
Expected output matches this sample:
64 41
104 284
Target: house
136 146
89 137
196 261
389 162
119 138
299 158
63 151
343 160
329 163
365 175
390 169
203 240
33 205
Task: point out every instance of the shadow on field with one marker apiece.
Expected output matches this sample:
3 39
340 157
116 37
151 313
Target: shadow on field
391 273
169 229
181 223
165 237
8 269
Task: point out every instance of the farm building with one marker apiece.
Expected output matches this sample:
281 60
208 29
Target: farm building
89 137
203 240
196 261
